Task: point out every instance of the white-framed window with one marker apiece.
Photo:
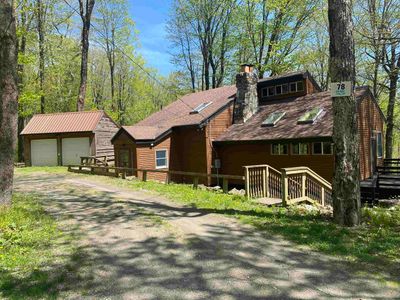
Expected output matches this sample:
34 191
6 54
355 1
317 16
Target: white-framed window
293 87
278 90
279 149
300 86
379 144
322 148
285 88
161 159
271 91
300 148
264 92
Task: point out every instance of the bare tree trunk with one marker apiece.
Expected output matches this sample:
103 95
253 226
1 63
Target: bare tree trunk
346 180
21 67
85 10
40 29
8 99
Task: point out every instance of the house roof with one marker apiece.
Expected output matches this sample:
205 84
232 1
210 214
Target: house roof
288 127
179 113
85 121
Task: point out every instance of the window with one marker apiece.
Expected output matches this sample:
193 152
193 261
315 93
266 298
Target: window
278 90
285 88
322 148
300 149
310 116
200 107
300 86
293 87
379 145
161 159
279 149
273 118
271 91
264 92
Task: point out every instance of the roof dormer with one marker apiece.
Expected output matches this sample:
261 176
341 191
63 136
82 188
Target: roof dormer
286 86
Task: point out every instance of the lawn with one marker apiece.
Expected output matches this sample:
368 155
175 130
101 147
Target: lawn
375 242
36 257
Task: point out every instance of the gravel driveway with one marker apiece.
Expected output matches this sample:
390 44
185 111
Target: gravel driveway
142 246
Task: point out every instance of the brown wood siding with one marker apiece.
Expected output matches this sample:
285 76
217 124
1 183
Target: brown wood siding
235 156
214 129
146 158
369 122
104 131
189 152
125 142
59 137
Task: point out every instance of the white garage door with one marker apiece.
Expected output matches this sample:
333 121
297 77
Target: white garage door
73 149
44 152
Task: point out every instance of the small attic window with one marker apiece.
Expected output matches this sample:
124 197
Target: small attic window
200 107
273 118
310 116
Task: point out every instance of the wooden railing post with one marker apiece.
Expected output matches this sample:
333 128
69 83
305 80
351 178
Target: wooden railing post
264 187
303 185
225 185
144 176
268 194
285 188
323 196
247 182
195 182
123 174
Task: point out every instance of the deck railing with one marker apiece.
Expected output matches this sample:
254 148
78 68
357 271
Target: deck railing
263 181
292 185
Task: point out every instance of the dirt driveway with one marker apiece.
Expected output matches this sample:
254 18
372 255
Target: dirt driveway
141 246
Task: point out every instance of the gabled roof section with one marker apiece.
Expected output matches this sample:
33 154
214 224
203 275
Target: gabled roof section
180 113
288 127
66 122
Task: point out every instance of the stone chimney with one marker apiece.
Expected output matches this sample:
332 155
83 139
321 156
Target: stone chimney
246 103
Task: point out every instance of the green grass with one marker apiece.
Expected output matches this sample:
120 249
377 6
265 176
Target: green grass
34 253
375 242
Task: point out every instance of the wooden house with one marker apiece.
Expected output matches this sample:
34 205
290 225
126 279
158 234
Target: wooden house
283 121
62 138
179 137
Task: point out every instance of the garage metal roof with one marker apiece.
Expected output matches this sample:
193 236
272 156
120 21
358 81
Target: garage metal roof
85 121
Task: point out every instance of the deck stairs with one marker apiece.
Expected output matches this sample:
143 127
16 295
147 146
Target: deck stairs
287 186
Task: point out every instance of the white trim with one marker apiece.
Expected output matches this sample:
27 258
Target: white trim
166 158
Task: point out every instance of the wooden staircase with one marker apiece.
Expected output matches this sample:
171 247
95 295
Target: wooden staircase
288 186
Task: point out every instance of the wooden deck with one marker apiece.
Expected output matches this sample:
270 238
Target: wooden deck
384 184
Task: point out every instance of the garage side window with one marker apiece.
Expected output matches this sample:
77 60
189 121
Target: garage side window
161 159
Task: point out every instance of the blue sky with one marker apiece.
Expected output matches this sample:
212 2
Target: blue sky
150 17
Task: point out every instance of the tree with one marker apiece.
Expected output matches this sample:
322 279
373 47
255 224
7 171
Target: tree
346 183
85 11
8 98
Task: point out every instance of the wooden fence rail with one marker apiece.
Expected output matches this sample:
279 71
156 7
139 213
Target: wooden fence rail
123 172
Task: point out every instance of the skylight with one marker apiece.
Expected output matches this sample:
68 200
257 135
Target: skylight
273 118
200 107
311 115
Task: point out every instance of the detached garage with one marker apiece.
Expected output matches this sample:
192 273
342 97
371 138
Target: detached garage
63 138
